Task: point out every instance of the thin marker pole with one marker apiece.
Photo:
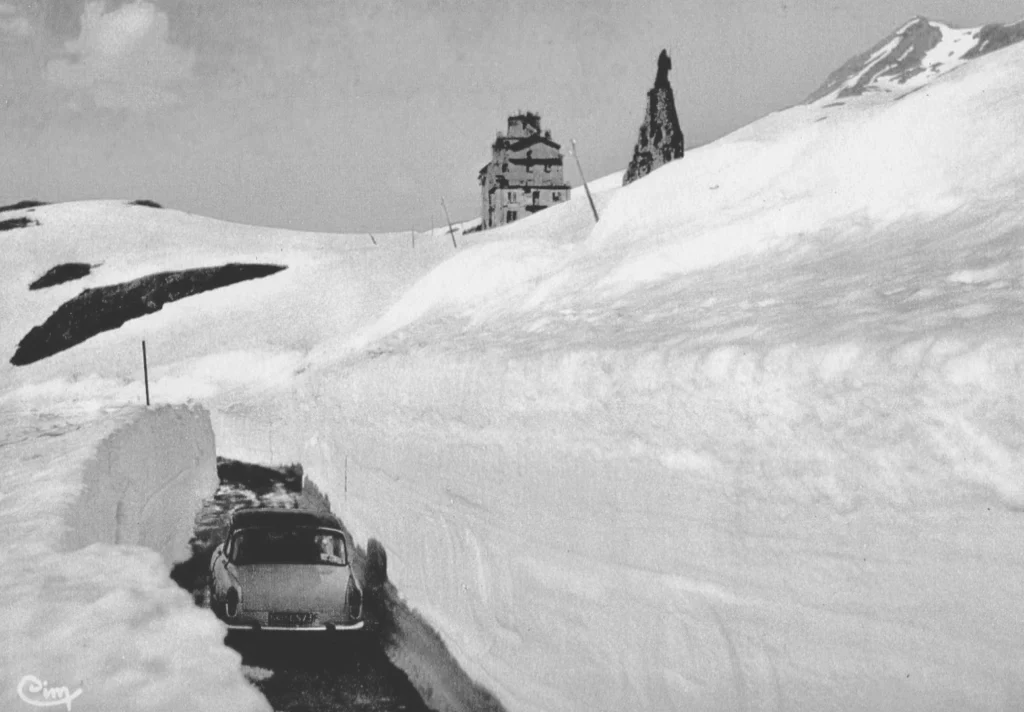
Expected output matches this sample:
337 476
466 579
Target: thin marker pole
585 186
451 230
145 370
373 238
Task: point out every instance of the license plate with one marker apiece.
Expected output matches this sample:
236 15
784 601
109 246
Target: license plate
291 619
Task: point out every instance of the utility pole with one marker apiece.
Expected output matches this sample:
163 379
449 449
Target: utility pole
451 230
585 186
145 371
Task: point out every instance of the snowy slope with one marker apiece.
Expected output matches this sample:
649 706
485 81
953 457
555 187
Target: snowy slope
912 56
95 506
753 442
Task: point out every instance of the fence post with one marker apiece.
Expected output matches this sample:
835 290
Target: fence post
451 230
145 371
585 186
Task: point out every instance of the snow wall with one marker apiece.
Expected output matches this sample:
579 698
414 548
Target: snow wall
832 527
145 483
101 509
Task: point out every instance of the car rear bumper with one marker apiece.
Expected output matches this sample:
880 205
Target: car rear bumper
330 627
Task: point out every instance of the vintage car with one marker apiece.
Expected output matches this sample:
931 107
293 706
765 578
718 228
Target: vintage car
285 569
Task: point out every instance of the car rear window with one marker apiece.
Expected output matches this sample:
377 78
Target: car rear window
289 546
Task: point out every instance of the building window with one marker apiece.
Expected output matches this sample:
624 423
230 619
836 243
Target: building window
510 216
536 197
556 196
504 168
512 197
547 167
529 168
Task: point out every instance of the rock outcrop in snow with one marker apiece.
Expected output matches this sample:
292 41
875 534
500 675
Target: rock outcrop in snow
16 223
913 55
59 274
661 139
993 37
101 309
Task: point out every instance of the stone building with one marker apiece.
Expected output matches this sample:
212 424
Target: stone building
524 175
660 139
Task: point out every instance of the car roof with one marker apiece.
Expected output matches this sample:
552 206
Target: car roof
269 517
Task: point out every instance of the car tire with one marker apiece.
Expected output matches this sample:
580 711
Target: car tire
216 605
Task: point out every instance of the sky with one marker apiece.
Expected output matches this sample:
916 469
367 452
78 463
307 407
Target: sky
360 116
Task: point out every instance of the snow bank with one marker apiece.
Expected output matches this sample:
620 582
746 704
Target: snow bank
753 443
855 172
145 483
100 503
730 528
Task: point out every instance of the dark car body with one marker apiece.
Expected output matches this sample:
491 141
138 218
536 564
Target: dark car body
285 569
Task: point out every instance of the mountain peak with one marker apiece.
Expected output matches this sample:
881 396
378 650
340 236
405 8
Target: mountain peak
920 50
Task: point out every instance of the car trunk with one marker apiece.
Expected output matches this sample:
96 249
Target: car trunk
293 587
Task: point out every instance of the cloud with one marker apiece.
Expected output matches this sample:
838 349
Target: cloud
13 24
123 58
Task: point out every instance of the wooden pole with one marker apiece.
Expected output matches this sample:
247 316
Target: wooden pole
451 230
145 370
585 186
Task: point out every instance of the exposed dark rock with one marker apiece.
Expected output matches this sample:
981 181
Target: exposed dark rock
104 308
901 57
660 139
913 41
993 37
664 65
146 203
15 223
65 272
22 205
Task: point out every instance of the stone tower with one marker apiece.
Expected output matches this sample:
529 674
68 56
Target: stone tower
661 139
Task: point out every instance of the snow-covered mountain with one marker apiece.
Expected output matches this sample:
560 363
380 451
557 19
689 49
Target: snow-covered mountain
913 55
751 442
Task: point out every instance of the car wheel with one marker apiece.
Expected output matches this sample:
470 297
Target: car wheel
215 603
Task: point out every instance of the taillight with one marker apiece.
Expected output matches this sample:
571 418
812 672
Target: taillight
234 603
354 598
